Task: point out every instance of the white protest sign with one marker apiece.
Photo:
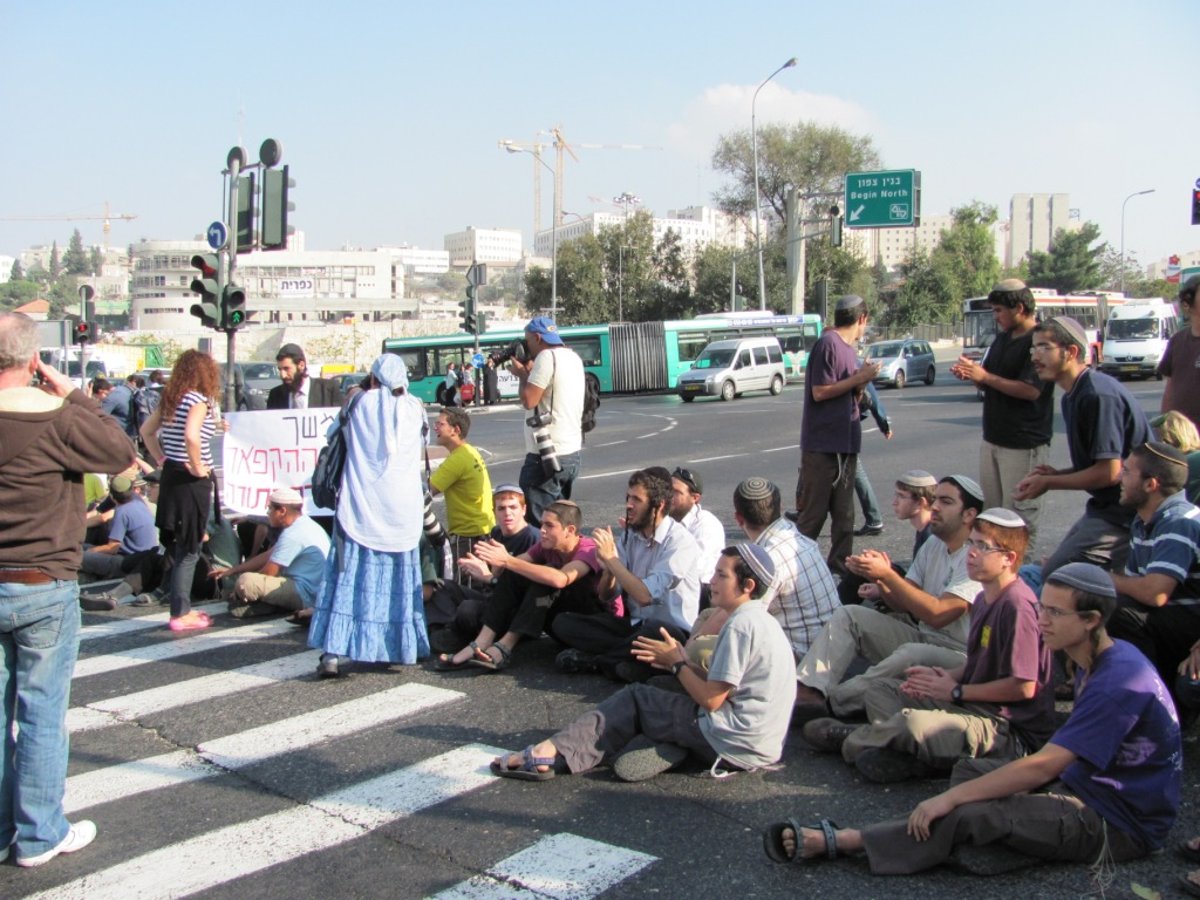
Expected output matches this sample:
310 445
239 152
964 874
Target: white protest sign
272 448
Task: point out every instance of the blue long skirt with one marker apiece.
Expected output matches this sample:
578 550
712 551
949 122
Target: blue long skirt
370 607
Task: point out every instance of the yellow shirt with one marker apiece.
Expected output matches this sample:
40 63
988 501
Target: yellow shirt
463 479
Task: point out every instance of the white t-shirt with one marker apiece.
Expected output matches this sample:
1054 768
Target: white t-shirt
938 572
559 372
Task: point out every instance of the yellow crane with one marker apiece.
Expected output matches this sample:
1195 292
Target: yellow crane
106 218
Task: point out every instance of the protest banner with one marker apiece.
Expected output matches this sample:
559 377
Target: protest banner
267 449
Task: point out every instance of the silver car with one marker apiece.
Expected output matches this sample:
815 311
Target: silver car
902 361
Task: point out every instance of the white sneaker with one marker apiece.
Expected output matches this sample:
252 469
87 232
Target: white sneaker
78 836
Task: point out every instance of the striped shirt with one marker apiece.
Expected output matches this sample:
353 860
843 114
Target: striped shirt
803 596
171 435
1169 545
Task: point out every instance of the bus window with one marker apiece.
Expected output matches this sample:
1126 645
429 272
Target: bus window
690 345
588 349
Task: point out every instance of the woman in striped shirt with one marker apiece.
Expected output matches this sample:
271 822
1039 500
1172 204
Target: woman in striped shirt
178 436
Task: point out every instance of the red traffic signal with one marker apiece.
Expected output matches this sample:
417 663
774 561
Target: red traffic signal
84 332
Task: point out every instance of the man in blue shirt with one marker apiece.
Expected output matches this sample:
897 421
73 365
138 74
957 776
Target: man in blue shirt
131 533
1159 591
1103 423
1104 789
288 575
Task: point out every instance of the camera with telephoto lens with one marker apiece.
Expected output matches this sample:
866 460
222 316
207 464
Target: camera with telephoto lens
540 424
434 533
517 350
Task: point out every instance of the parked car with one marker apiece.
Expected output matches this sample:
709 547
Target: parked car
348 380
902 361
727 368
254 381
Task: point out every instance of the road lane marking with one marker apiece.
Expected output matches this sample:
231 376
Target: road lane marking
129 707
115 627
217 857
606 474
563 866
237 751
714 458
200 643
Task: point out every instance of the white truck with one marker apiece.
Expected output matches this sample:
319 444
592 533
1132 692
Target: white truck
1136 335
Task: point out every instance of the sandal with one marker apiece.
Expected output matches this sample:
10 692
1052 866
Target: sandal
192 621
1189 885
444 662
528 770
773 841
490 663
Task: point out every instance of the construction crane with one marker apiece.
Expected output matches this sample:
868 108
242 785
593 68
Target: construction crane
536 150
561 145
106 218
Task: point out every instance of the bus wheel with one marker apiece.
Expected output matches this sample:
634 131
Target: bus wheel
727 391
776 386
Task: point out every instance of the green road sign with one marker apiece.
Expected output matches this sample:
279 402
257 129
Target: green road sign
883 199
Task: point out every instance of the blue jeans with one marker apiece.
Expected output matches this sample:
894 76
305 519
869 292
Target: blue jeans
866 495
540 490
39 639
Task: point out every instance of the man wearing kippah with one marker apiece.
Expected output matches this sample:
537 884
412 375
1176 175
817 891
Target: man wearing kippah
1158 607
727 717
936 593
831 431
1018 407
1103 424
287 575
1104 789
999 704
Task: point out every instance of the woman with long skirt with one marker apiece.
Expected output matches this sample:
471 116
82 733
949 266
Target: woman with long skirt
370 608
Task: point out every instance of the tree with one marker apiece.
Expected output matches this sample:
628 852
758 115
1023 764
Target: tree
1072 264
17 274
75 260
96 261
17 292
969 250
55 266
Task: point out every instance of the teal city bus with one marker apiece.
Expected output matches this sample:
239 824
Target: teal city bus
623 358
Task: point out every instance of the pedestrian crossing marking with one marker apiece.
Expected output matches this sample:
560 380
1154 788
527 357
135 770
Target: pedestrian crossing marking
115 627
560 866
246 748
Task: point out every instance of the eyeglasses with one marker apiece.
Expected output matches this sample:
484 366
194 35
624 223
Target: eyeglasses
686 476
1056 612
981 547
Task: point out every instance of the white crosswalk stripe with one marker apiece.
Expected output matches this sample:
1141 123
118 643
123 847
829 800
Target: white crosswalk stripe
563 866
116 627
248 747
199 643
325 822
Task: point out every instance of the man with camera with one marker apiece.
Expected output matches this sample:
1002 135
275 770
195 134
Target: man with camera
552 388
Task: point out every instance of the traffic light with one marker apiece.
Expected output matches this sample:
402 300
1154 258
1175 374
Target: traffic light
835 226
208 310
481 322
468 311
245 214
233 307
84 332
1196 206
821 299
275 208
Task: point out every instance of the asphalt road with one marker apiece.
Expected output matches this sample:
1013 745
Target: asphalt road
224 768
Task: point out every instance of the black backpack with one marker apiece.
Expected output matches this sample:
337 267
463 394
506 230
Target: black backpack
327 475
591 402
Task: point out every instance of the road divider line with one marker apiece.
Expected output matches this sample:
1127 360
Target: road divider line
220 856
715 458
129 707
200 643
238 751
612 474
563 866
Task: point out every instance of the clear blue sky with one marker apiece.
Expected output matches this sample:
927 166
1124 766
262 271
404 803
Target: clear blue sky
389 113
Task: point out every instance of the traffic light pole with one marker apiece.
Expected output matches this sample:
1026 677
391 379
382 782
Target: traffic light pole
235 164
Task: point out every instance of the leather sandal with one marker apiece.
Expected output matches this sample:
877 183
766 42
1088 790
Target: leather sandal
773 841
489 663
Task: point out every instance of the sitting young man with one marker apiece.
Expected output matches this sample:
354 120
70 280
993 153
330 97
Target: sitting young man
936 592
1158 594
729 714
454 612
1105 787
999 704
557 574
656 570
288 575
132 536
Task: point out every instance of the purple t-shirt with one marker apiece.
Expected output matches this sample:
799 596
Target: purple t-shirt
1125 734
1004 642
585 552
830 426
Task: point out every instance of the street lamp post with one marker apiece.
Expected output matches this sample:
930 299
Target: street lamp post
1127 199
621 281
512 147
762 288
627 200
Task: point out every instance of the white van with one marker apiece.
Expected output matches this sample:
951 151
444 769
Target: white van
1136 335
726 369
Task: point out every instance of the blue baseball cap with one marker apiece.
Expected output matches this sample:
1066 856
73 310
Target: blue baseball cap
544 327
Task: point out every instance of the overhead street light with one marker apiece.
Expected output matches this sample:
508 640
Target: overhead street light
513 147
762 288
1127 199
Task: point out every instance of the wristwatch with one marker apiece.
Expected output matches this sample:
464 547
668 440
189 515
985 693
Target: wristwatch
956 693
679 665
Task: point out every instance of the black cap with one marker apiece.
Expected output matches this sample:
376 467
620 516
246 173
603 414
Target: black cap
292 351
